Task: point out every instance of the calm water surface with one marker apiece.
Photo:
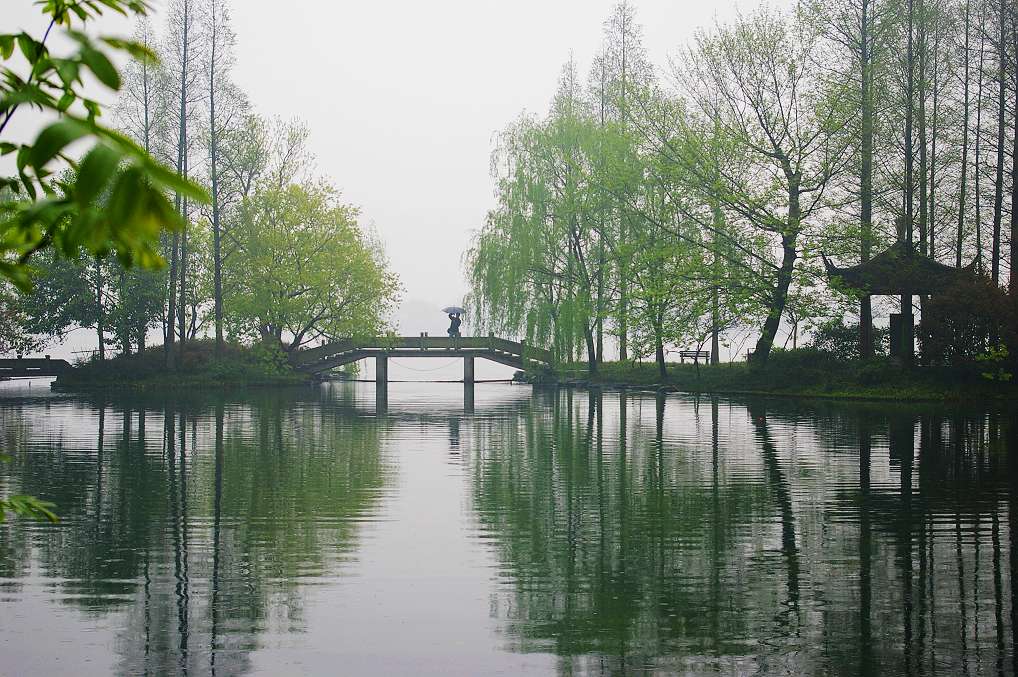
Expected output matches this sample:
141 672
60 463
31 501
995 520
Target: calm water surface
503 530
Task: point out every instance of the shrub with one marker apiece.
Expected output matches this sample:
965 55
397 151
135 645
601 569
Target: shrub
965 321
841 341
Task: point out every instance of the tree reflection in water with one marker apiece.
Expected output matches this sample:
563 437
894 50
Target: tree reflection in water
628 532
206 532
792 538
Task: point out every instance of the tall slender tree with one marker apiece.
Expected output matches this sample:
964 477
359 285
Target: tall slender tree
964 168
182 56
998 183
223 110
1013 277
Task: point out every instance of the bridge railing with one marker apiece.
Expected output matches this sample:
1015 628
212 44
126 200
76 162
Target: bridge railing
422 343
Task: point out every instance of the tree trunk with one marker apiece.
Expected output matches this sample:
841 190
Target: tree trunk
715 291
169 333
932 213
1013 278
217 258
866 178
182 302
921 95
623 297
100 320
182 171
599 357
998 186
959 240
715 334
139 336
591 350
909 192
778 300
659 354
977 171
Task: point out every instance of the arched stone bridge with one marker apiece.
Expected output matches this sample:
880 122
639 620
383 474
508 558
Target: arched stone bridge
336 354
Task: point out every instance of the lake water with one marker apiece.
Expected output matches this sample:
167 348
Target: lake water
503 531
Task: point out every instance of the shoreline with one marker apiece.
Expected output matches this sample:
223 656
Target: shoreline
876 381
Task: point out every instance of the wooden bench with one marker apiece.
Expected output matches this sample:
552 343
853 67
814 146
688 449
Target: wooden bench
695 355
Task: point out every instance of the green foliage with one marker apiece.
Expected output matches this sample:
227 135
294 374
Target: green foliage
841 341
305 270
16 336
27 506
995 358
270 358
116 202
199 367
808 372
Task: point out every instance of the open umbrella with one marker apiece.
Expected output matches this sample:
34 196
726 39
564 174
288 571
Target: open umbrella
453 310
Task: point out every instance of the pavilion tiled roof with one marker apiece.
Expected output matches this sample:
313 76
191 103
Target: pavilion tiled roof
899 269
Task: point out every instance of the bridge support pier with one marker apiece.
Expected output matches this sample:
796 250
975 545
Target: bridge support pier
468 370
381 370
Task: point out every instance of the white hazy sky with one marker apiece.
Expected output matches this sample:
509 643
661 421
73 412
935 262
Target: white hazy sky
403 98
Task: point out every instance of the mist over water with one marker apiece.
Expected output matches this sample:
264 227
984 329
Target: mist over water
450 531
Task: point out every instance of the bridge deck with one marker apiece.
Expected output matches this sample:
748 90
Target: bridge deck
336 354
33 367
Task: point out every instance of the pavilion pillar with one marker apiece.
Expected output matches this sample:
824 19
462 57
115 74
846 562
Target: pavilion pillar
902 332
381 370
468 369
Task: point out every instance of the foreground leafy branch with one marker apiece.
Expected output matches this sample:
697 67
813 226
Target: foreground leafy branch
116 199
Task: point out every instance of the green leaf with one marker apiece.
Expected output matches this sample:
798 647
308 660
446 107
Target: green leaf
6 46
22 162
177 183
93 108
95 172
29 47
18 275
67 69
136 49
54 138
28 94
28 506
101 66
65 101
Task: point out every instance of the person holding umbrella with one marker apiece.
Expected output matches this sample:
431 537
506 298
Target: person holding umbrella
454 320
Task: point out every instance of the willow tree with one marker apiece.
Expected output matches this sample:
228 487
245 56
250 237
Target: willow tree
533 265
537 267
756 81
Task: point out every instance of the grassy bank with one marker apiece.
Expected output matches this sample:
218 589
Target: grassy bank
198 367
804 373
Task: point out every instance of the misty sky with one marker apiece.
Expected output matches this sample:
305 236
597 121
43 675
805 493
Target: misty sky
403 99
